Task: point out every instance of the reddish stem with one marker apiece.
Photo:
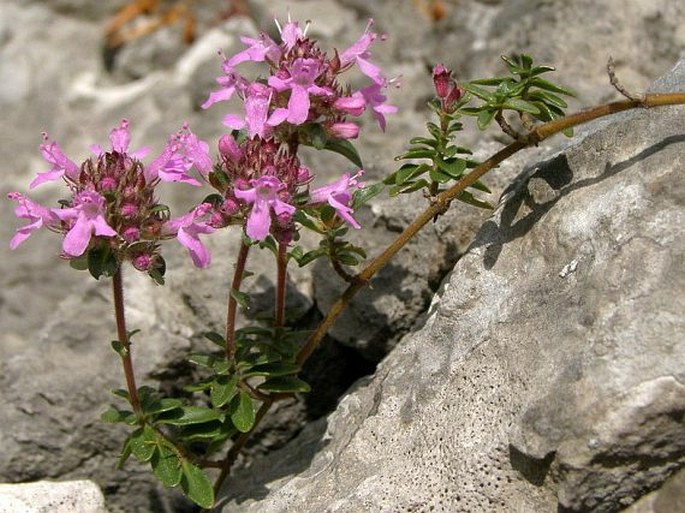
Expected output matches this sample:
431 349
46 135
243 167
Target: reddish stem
126 359
232 303
282 272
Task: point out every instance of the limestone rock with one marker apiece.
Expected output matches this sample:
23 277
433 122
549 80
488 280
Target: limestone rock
52 497
548 373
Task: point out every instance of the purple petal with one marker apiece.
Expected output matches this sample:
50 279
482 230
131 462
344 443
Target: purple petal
77 239
259 221
198 251
120 137
298 106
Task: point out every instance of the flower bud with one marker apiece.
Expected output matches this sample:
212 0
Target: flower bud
229 149
353 105
442 80
343 130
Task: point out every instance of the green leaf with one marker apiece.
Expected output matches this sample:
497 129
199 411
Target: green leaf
366 193
114 415
470 199
479 92
209 431
243 416
163 405
166 466
454 167
203 359
197 485
548 98
241 298
189 415
485 118
119 348
417 153
549 86
143 443
494 81
284 384
222 390
347 259
102 262
80 263
273 369
126 451
521 106
310 256
120 392
303 219
346 149
216 338
424 140
408 187
439 176
480 186
404 173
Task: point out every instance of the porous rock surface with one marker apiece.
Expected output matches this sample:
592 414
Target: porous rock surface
52 497
548 373
56 367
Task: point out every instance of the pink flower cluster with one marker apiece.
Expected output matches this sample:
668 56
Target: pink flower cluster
112 200
302 86
259 176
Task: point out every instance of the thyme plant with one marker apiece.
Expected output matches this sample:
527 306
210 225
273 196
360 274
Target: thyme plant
111 218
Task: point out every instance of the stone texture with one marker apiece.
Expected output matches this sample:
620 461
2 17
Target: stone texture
55 373
52 497
548 372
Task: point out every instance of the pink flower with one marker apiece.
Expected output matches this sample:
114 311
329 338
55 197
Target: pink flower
359 53
257 119
230 83
87 219
120 138
258 50
338 195
37 215
353 105
303 73
264 197
188 229
183 151
291 33
61 164
343 130
376 99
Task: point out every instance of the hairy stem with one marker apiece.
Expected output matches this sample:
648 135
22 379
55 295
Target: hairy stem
282 270
232 302
122 334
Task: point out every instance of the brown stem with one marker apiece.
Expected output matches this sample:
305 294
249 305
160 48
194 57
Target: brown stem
443 200
122 334
238 445
282 270
232 302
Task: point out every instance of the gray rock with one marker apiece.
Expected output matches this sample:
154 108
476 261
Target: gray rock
52 497
55 363
547 374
